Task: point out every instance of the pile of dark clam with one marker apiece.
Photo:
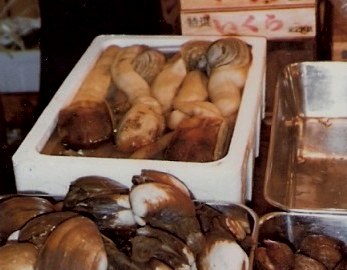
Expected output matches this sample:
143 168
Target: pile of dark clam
102 224
315 252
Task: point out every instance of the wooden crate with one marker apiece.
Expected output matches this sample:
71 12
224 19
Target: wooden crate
284 23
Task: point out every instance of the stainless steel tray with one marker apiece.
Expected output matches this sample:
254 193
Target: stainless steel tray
294 226
307 161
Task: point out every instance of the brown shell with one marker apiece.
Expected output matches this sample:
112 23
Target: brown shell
194 54
85 124
149 63
323 248
16 211
90 186
307 263
228 51
38 229
18 256
74 244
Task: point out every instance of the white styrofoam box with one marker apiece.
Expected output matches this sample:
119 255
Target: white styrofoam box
20 71
286 23
229 178
242 4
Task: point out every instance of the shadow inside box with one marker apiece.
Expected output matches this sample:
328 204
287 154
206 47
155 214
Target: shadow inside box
17 116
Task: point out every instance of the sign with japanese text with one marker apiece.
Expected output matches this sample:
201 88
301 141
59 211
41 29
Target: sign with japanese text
243 4
272 24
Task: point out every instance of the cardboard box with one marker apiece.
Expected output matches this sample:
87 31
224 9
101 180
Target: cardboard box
273 24
20 71
229 178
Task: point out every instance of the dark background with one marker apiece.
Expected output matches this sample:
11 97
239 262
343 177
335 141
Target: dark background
68 27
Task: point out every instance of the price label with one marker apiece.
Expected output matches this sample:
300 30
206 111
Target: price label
272 24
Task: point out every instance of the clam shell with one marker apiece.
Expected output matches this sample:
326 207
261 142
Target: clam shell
87 187
228 51
118 259
307 263
38 228
229 60
111 211
194 54
155 243
199 139
18 256
85 124
274 255
323 248
16 211
148 176
74 244
152 199
167 207
222 253
149 63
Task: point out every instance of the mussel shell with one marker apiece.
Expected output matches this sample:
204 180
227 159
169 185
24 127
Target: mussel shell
74 244
18 256
16 211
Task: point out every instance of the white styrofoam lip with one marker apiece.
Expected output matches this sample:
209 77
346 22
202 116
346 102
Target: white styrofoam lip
222 179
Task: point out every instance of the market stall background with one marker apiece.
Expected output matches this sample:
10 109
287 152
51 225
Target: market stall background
60 48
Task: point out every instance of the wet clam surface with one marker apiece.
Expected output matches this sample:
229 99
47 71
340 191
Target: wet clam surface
314 252
135 95
154 224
